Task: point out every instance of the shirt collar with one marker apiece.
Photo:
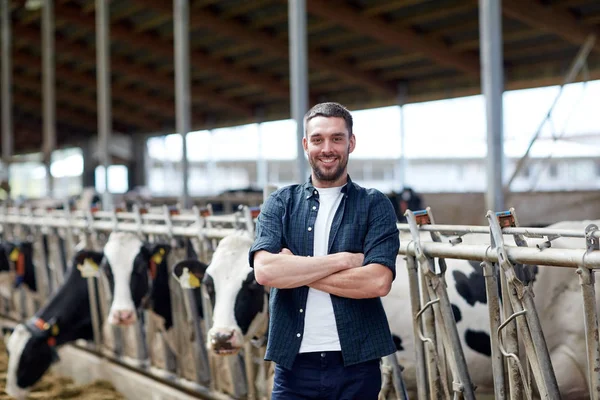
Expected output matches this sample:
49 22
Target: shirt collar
311 191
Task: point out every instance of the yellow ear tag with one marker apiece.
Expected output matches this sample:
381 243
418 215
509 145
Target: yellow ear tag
14 255
88 268
55 330
158 257
194 281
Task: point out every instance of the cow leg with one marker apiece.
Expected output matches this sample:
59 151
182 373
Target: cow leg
571 377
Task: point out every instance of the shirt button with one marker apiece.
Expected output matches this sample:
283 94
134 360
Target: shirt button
315 192
301 310
297 335
323 355
310 228
314 207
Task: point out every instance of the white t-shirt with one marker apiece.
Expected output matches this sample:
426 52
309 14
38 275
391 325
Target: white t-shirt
320 329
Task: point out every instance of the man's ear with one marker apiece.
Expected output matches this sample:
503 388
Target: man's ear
189 273
305 144
352 144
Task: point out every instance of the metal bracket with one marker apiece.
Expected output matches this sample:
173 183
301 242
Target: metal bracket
591 242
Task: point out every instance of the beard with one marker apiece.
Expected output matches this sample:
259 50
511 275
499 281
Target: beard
328 175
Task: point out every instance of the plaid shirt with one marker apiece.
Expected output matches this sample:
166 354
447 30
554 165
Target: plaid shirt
365 222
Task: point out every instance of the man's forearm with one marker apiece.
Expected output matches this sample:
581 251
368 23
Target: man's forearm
286 271
373 280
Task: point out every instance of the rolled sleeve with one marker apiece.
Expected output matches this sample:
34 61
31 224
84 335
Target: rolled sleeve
382 241
269 228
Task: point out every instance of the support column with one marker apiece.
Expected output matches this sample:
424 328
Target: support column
49 97
261 162
7 124
88 177
492 86
182 87
137 165
402 162
104 93
298 77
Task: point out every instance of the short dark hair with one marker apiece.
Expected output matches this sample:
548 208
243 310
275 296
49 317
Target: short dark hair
329 110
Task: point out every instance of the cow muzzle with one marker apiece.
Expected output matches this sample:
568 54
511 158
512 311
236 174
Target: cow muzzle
225 342
122 317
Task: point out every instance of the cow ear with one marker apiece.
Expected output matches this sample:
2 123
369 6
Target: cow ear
189 273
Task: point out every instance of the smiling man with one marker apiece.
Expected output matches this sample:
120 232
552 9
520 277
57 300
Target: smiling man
327 248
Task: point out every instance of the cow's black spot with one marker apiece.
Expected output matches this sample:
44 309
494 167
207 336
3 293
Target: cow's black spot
457 313
471 288
248 302
397 342
479 341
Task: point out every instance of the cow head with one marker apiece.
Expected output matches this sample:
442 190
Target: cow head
66 317
239 302
131 265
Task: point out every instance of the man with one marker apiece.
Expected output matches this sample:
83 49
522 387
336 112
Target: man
327 249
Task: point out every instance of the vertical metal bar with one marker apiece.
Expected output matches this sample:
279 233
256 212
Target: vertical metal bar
457 356
403 162
49 90
7 125
96 324
298 76
491 288
415 304
200 354
104 93
261 162
588 291
435 383
539 344
492 86
182 86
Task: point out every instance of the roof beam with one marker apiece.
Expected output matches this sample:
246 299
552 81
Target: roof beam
157 48
403 38
561 24
74 97
241 33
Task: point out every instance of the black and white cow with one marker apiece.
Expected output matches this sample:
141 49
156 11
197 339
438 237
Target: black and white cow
239 302
67 317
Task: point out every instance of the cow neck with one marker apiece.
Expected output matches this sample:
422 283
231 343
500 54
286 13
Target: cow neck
258 327
70 306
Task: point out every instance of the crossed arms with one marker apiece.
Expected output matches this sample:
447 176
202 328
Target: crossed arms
341 274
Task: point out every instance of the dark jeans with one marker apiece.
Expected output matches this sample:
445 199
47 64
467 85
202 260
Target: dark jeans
323 376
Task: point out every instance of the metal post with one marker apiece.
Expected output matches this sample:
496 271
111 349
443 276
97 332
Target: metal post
490 34
298 76
415 304
586 279
104 93
7 126
261 162
403 162
182 86
491 288
49 90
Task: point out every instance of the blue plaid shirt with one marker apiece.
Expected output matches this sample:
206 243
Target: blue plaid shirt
365 222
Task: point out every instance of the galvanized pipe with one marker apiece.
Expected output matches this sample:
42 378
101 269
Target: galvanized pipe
522 255
415 304
491 288
182 86
458 364
104 93
588 291
49 98
531 232
539 343
428 322
7 124
298 77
